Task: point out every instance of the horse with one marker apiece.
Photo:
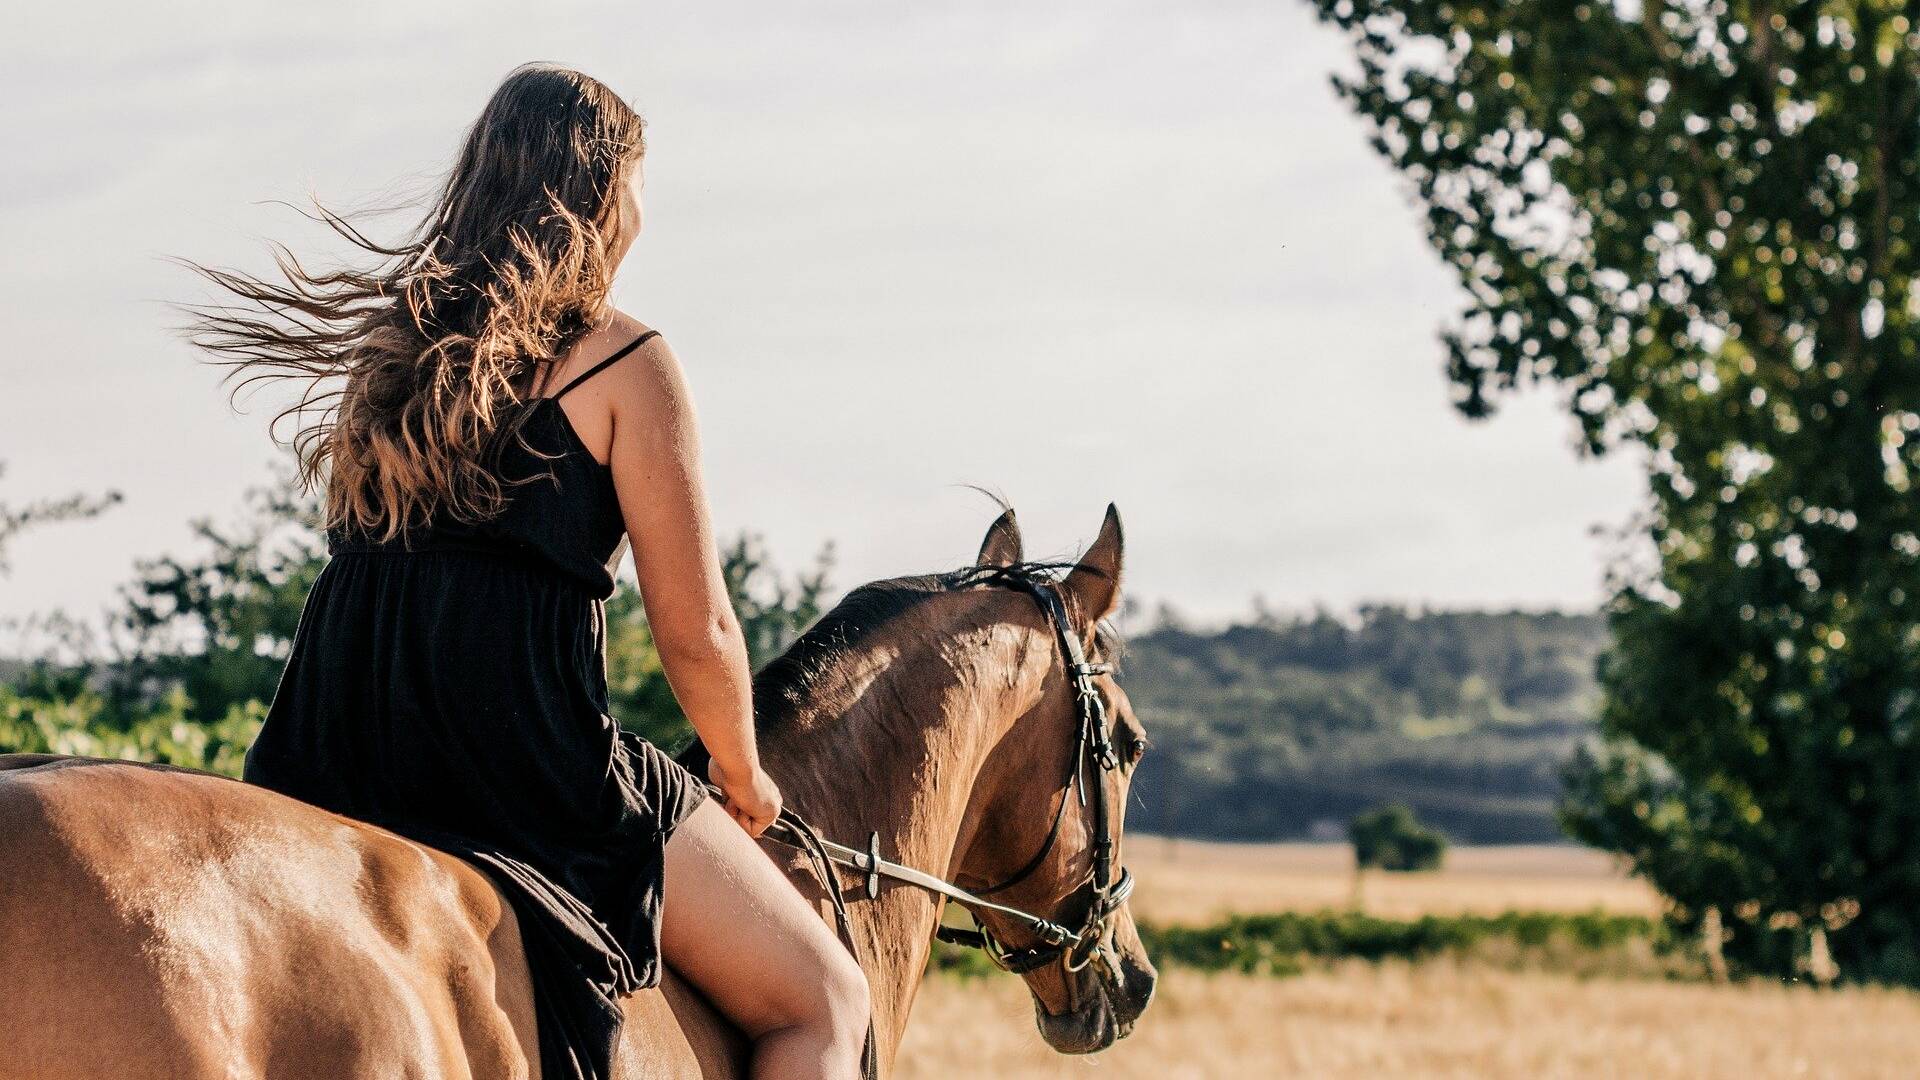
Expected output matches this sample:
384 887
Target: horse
167 923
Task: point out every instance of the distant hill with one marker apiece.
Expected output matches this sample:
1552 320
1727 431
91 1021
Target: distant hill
1286 729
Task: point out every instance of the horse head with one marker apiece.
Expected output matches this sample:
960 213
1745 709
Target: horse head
1043 828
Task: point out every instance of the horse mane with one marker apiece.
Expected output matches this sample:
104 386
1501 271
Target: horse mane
785 684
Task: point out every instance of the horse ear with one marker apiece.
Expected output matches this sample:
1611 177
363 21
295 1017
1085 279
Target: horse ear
1002 546
1094 583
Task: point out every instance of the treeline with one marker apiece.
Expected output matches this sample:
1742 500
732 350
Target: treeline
1287 728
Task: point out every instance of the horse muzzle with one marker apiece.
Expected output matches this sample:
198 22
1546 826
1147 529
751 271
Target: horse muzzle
1111 992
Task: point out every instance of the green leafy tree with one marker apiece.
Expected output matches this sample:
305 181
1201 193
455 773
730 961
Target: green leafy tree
1696 219
1391 838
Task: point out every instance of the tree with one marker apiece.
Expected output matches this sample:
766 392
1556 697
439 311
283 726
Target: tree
1390 838
219 626
1696 221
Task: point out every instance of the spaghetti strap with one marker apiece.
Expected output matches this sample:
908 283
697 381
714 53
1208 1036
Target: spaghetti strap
608 362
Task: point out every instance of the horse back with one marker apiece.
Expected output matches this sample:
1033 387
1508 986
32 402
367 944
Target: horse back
165 922
161 922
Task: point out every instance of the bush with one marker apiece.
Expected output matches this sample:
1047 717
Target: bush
1282 943
83 726
1391 839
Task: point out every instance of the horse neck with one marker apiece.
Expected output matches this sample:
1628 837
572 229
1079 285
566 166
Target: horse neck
906 774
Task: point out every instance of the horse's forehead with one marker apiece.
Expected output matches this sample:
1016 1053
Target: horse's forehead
982 631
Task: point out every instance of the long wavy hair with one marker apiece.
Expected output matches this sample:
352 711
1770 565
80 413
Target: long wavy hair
415 363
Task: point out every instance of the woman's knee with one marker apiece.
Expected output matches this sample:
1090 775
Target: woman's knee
832 994
845 992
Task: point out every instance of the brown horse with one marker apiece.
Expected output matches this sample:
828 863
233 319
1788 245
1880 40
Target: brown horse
159 922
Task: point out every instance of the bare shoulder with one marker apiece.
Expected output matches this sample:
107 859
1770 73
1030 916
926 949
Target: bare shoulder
647 382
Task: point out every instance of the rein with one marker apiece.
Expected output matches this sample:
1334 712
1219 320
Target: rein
1093 742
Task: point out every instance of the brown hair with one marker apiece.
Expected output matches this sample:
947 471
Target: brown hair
413 362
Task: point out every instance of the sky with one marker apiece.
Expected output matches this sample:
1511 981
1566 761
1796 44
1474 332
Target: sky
1074 253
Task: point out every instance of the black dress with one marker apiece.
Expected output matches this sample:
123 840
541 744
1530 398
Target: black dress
452 687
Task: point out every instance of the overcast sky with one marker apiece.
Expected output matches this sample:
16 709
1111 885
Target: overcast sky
1074 253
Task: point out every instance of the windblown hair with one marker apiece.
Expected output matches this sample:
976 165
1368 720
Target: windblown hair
415 364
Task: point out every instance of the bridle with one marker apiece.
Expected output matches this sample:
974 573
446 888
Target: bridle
1093 741
1107 885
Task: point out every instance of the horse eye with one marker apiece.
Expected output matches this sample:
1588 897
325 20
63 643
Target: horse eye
1136 749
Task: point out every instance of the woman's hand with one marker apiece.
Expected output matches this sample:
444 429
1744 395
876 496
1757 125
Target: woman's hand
753 799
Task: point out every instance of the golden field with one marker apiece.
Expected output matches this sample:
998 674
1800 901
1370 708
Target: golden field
1193 881
1439 1018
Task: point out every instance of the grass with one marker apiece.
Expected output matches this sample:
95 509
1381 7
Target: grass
1511 962
1441 1018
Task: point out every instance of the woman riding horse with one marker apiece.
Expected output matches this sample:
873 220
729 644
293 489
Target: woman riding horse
448 676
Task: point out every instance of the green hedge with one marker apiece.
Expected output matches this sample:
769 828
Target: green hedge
1282 943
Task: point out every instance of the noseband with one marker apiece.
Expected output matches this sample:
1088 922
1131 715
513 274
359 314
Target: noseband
1106 888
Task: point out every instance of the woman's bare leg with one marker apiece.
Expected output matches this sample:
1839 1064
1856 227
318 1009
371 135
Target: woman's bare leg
733 926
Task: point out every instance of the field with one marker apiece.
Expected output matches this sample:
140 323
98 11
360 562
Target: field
1193 881
1439 1018
1435 1019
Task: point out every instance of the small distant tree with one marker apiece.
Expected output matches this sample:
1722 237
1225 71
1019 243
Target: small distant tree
1391 838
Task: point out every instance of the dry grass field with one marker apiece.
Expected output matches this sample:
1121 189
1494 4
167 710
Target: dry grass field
1191 881
1440 1018
1437 1019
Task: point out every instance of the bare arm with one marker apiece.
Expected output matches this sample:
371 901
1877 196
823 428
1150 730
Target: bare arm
655 457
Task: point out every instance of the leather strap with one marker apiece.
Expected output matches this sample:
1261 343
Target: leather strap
607 363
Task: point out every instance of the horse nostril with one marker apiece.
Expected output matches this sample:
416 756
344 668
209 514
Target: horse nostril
1137 984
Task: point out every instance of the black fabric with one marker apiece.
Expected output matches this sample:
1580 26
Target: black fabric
452 687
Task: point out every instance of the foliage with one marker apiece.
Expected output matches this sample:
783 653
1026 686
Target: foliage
1282 943
1390 838
1276 728
218 627
80 726
1696 220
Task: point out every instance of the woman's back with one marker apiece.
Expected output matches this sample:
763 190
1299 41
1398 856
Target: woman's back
451 685
562 509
